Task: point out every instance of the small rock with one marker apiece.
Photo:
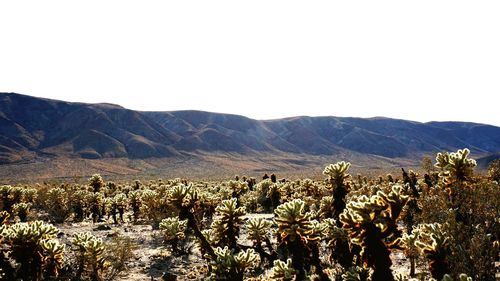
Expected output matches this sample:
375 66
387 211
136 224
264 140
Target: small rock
103 227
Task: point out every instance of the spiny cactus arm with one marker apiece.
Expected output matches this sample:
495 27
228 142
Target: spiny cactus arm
258 229
4 216
292 221
229 212
283 271
53 256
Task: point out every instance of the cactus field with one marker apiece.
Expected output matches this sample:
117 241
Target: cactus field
439 224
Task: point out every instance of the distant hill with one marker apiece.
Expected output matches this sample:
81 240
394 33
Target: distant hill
35 128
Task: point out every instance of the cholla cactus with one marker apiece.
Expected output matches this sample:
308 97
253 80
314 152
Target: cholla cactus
283 271
455 166
4 216
57 204
229 218
258 230
370 223
118 204
337 240
95 201
173 231
90 254
238 188
292 222
337 176
231 266
356 273
433 241
78 204
298 234
22 210
30 194
411 250
9 196
96 182
25 242
134 198
53 257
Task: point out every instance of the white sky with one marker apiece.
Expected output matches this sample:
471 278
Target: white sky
417 60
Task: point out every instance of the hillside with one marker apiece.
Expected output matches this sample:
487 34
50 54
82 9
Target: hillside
35 129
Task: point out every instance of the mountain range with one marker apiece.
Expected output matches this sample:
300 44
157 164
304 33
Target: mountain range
36 129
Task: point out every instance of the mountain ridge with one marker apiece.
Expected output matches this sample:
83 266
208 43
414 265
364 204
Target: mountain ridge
32 128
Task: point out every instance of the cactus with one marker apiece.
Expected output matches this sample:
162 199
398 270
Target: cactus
433 242
356 273
57 204
95 201
455 166
96 182
184 198
229 265
25 241
134 200
337 176
371 223
283 271
4 216
78 204
173 231
229 218
53 259
90 254
297 234
258 232
22 210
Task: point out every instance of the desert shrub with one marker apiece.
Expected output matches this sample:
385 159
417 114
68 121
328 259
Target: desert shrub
494 170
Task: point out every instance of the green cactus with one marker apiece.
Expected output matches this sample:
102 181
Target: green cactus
22 210
283 271
371 223
78 204
173 231
229 265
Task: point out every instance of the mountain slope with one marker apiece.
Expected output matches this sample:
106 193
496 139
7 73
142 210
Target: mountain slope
33 128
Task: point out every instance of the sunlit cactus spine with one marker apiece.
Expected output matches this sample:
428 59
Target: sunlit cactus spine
372 223
173 231
229 265
22 210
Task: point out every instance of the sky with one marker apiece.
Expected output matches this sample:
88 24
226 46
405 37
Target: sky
415 60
